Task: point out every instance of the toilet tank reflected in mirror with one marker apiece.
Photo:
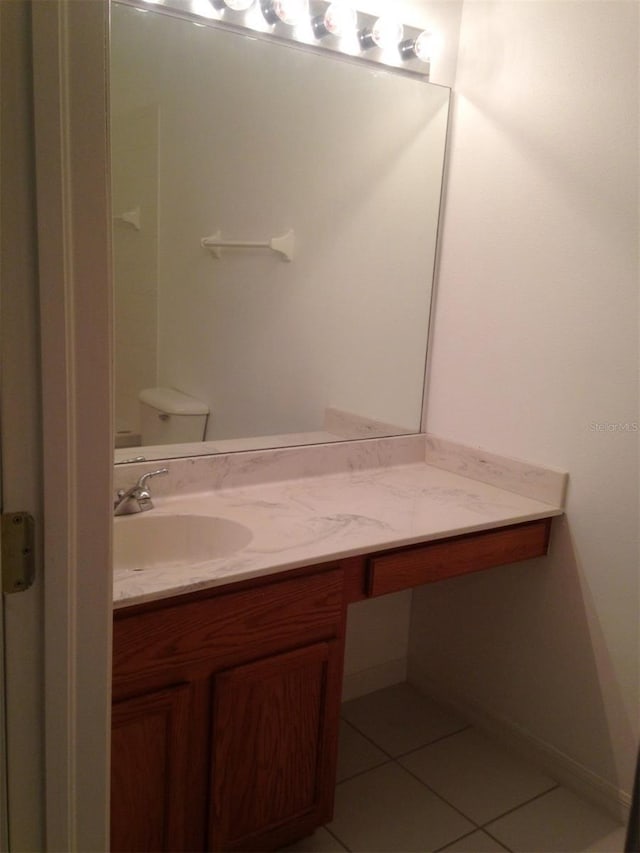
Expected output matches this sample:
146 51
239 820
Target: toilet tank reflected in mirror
168 416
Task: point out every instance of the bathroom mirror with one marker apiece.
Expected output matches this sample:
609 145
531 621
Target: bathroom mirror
220 133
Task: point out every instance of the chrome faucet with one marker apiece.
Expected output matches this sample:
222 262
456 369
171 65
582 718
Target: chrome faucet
138 497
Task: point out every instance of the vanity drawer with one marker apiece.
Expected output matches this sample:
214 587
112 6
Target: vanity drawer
459 555
182 637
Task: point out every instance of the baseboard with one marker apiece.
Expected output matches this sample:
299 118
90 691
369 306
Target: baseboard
375 678
554 762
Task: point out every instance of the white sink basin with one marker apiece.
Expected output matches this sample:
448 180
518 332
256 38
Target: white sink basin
161 541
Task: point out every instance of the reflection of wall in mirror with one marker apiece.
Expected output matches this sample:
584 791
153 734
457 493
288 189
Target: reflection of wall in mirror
134 180
351 159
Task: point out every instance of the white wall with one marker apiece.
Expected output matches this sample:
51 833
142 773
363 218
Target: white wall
377 644
536 341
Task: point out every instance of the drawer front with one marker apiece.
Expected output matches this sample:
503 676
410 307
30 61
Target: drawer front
460 555
227 629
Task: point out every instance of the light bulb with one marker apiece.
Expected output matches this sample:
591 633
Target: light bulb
423 47
419 48
238 5
387 32
340 18
289 12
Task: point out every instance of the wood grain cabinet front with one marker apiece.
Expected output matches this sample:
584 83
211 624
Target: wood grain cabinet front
226 716
393 571
149 742
273 748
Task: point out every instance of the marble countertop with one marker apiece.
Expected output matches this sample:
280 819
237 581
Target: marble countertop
318 519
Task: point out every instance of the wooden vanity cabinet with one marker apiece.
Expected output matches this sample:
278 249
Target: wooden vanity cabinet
226 702
226 716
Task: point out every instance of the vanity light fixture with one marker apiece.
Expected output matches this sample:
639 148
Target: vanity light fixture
386 33
234 5
350 31
339 19
420 47
289 12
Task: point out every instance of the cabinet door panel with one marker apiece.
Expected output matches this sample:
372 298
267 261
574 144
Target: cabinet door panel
149 744
274 742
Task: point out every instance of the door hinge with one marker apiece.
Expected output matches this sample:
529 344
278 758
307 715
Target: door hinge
18 557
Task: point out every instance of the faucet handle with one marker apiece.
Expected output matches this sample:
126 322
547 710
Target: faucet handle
143 479
142 493
137 498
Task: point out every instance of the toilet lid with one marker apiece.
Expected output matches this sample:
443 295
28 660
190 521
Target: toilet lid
172 402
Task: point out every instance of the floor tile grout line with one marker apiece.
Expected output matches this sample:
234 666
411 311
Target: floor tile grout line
439 796
454 841
477 825
432 742
338 839
413 749
497 840
366 737
468 835
387 760
544 793
389 757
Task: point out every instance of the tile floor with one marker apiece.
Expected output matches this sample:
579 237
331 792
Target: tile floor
413 777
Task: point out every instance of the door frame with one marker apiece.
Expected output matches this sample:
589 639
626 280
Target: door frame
22 700
70 82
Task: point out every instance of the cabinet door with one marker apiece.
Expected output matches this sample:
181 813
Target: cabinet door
149 762
275 730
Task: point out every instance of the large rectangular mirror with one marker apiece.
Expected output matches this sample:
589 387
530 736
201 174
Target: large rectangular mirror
219 133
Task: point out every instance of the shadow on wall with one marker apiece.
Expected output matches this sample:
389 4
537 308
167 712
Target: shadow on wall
538 117
521 648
